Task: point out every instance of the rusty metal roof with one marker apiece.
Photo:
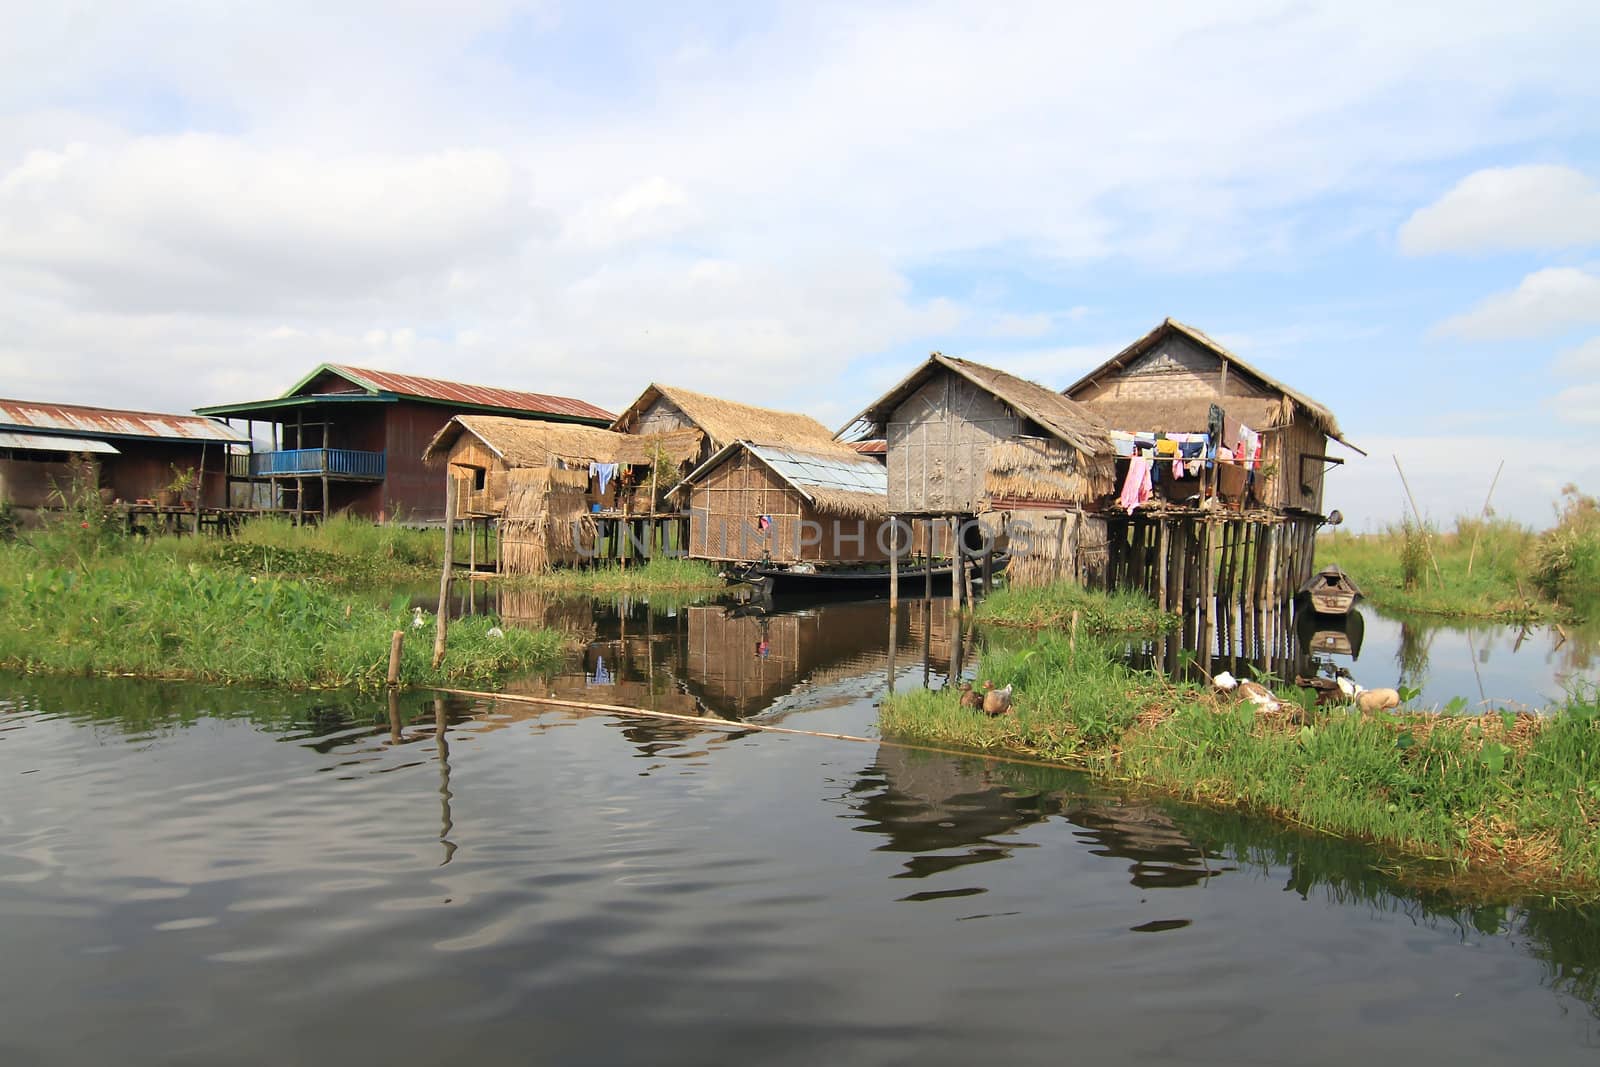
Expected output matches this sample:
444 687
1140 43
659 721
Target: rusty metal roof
412 385
82 421
43 442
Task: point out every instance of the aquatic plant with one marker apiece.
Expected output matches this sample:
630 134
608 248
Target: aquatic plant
661 573
1037 607
1566 558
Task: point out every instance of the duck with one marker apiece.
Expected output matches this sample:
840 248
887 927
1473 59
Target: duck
996 701
969 699
1369 700
417 621
1259 695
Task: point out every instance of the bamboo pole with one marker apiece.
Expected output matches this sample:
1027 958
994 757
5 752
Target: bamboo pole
927 564
1161 567
1422 526
894 568
955 563
440 621
1483 517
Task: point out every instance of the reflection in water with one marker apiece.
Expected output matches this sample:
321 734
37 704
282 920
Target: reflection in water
285 848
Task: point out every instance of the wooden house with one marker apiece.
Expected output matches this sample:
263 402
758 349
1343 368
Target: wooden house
969 442
1168 382
131 456
753 501
663 408
551 490
349 439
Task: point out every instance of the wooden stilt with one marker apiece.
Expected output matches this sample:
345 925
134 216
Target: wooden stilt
957 564
894 573
1162 548
927 563
444 576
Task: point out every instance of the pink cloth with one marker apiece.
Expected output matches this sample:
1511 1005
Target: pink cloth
1136 488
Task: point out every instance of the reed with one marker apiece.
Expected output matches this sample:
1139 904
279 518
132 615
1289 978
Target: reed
1054 605
662 573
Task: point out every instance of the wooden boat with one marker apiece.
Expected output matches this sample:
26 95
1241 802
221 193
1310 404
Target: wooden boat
865 581
1330 634
1331 592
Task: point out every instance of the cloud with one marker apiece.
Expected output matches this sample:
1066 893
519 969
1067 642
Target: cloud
1578 404
1583 359
1546 302
1508 208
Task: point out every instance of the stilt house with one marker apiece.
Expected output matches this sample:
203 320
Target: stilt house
662 408
129 456
1168 382
351 439
758 502
968 441
553 491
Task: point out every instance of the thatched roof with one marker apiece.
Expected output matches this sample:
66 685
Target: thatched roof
1319 414
726 421
1187 414
1036 469
1065 419
835 480
534 443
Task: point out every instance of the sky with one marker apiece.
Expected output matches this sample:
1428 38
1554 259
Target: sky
1396 211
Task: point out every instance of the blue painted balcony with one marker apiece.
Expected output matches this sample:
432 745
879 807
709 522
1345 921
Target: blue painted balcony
334 462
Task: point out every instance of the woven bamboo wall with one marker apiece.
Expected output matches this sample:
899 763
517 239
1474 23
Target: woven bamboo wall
939 442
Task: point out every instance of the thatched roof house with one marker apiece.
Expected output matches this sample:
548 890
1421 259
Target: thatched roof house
541 481
1167 382
964 438
752 500
663 408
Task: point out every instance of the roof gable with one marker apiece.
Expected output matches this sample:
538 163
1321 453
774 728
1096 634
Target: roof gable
388 384
1141 357
727 421
1061 417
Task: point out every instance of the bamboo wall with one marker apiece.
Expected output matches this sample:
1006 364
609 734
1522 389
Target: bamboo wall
939 443
726 506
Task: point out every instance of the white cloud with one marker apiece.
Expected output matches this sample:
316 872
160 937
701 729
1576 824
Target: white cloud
1578 404
1583 359
1505 208
1450 474
1546 302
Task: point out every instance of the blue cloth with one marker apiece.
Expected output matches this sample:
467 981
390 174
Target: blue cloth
603 473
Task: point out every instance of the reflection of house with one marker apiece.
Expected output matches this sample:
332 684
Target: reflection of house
1168 381
740 664
134 453
351 439
541 483
968 440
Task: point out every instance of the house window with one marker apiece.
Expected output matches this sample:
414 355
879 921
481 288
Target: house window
480 478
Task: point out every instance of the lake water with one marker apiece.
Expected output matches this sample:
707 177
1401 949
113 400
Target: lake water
190 875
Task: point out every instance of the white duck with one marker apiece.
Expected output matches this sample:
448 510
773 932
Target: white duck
1368 700
1258 695
417 621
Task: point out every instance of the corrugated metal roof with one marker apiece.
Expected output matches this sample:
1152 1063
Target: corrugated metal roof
460 393
39 442
824 472
876 447
111 422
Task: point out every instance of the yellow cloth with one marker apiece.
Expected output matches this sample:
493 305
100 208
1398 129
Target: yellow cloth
1166 447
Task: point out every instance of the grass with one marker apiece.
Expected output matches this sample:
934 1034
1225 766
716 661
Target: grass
1052 606
342 551
1511 797
76 602
661 573
1395 570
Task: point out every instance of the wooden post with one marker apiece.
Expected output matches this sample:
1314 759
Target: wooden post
894 578
396 641
927 561
299 501
472 547
1180 554
955 563
988 570
395 735
325 508
444 573
1162 548
1208 570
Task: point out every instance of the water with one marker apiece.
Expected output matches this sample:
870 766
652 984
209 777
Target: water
191 875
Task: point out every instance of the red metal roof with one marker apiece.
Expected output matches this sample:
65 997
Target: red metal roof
457 392
878 447
95 422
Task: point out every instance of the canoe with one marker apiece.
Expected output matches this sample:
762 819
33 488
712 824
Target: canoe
806 578
1330 592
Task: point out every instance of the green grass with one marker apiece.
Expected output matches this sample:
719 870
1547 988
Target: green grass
1504 796
663 573
85 605
1052 606
342 550
1394 570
